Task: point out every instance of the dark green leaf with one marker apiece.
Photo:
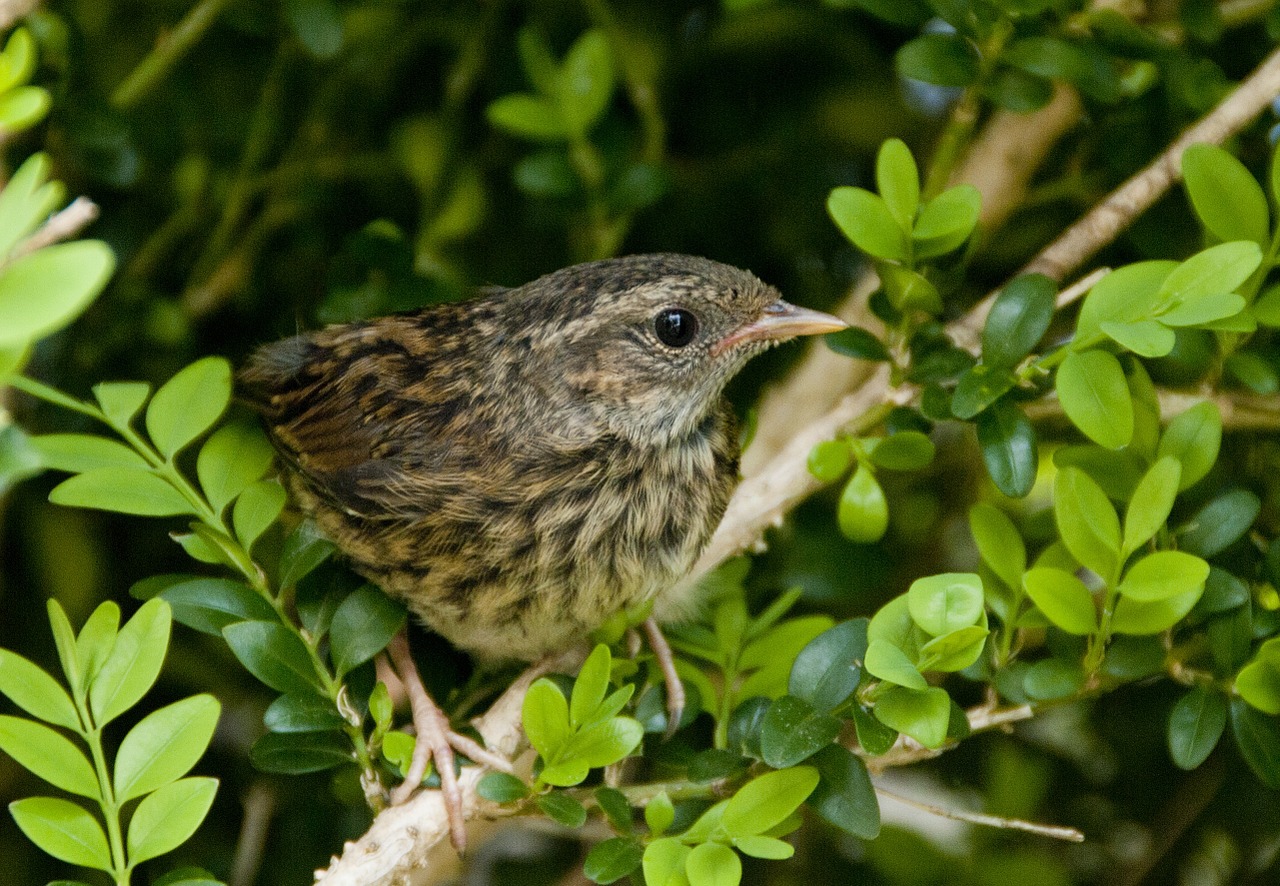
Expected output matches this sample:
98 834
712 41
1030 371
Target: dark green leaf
304 549
1008 443
1258 737
616 808
563 809
1195 725
827 670
613 859
297 753
746 724
1053 678
317 24
1218 524
940 59
273 654
978 388
857 342
1018 320
845 796
873 736
499 787
210 604
1254 372
302 713
362 627
714 764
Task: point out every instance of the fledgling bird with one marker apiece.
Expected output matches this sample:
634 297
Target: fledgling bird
520 467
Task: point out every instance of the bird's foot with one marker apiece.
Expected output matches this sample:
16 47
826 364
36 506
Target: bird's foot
436 741
667 662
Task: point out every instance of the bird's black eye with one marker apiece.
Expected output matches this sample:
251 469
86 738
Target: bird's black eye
676 327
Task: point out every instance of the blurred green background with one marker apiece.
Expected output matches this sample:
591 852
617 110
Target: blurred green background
312 161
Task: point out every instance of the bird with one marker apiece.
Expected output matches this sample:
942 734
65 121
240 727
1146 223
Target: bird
519 467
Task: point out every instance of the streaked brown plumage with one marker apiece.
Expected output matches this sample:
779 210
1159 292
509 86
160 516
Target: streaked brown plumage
519 467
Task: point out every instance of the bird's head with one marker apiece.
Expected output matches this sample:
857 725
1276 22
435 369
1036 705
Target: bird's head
648 342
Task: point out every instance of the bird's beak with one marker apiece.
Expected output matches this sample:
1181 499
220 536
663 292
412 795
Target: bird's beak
779 322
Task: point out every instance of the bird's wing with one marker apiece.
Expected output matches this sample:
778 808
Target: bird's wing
367 415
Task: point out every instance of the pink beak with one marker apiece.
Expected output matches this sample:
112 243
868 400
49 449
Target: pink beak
778 322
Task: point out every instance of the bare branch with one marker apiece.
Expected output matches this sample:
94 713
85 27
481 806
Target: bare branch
1057 832
78 215
12 10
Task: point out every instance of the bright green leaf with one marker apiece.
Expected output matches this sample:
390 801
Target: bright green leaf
663 863
188 404
999 543
590 686
546 718
134 664
124 490
946 221
922 714
863 512
1193 438
1151 503
586 82
943 603
528 116
77 453
1063 599
1086 521
767 800
45 290
865 219
903 451
1226 196
233 457
898 181
34 690
1147 338
1162 575
167 818
713 864
1092 389
63 829
889 663
49 755
164 745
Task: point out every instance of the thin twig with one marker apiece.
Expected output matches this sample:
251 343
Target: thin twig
168 50
260 803
78 215
12 10
1057 832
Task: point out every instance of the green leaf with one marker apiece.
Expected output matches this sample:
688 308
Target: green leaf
1195 725
188 404
297 753
1053 678
827 671
765 847
946 221
943 603
43 291
955 650
1147 338
562 808
49 755
1086 521
34 690
610 860
858 342
999 543
77 453
167 819
586 82
317 24
604 743
273 654
1258 738
865 219
922 714
186 876
65 640
794 731
940 59
1220 523
1193 438
528 116
233 457
590 687
1094 395
863 512
768 800
903 451
910 291
1019 318
124 490
23 107
1226 196
1063 599
659 813
311 713
1082 65
210 604
1253 371
889 663
1214 271
499 787
1126 295
1162 575
713 864
304 549
121 400
64 830
663 863
1266 310
1204 311
1151 503
546 718
845 796
829 460
898 181
97 638
164 745
1140 618
1008 443
28 198
978 388
363 625
134 664
1258 682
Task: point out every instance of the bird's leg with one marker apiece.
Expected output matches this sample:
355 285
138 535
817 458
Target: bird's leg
435 741
667 662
